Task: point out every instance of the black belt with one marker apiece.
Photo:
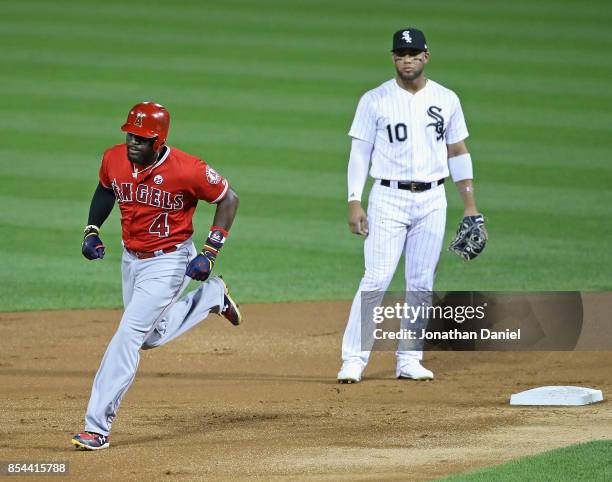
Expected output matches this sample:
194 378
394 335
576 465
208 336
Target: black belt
412 185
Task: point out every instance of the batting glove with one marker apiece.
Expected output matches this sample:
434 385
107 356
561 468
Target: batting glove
93 247
200 267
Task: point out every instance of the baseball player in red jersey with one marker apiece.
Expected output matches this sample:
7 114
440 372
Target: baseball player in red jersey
157 188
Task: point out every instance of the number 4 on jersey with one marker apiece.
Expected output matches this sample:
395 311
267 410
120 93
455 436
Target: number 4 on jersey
160 226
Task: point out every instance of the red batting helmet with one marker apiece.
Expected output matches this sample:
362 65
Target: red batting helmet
150 120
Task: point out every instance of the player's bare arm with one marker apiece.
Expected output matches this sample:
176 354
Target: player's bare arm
464 186
226 210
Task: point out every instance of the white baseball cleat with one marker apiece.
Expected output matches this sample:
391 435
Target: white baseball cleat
413 370
350 372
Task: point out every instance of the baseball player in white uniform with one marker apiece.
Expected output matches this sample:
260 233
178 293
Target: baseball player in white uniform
412 131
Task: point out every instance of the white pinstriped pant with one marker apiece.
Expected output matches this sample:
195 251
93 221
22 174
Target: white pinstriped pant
400 222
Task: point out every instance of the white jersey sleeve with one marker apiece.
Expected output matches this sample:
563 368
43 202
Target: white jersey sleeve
457 129
364 123
359 162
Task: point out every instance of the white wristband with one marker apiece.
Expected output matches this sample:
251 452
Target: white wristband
91 226
460 167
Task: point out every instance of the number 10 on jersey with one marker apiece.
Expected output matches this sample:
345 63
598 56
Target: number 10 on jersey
400 131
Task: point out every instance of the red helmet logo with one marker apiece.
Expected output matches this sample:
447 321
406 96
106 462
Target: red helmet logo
149 120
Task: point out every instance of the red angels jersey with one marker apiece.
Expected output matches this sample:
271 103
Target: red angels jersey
157 202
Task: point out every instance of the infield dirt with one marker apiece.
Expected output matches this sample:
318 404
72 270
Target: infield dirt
261 400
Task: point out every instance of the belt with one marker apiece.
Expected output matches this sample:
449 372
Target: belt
411 186
151 254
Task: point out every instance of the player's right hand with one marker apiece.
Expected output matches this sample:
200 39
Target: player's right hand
93 247
357 219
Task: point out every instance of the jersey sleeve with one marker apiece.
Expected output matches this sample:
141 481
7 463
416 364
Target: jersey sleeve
103 172
364 123
457 129
207 184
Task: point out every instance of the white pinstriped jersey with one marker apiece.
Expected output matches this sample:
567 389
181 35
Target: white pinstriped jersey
409 131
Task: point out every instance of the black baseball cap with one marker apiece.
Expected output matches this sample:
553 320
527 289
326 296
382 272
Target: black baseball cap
409 38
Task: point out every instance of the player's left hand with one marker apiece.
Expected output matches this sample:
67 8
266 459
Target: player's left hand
471 237
200 267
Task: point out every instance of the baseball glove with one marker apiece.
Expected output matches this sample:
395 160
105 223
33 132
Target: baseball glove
471 237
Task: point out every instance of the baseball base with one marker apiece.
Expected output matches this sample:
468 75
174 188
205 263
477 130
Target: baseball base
557 395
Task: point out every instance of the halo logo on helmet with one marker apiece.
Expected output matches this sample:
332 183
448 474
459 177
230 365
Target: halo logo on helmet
149 120
138 121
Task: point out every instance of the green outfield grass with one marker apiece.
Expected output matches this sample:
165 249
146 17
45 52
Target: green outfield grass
266 91
589 461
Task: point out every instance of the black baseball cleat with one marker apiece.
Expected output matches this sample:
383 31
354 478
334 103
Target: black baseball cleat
230 309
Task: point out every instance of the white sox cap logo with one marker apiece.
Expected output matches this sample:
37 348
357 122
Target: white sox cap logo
158 179
406 36
138 120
